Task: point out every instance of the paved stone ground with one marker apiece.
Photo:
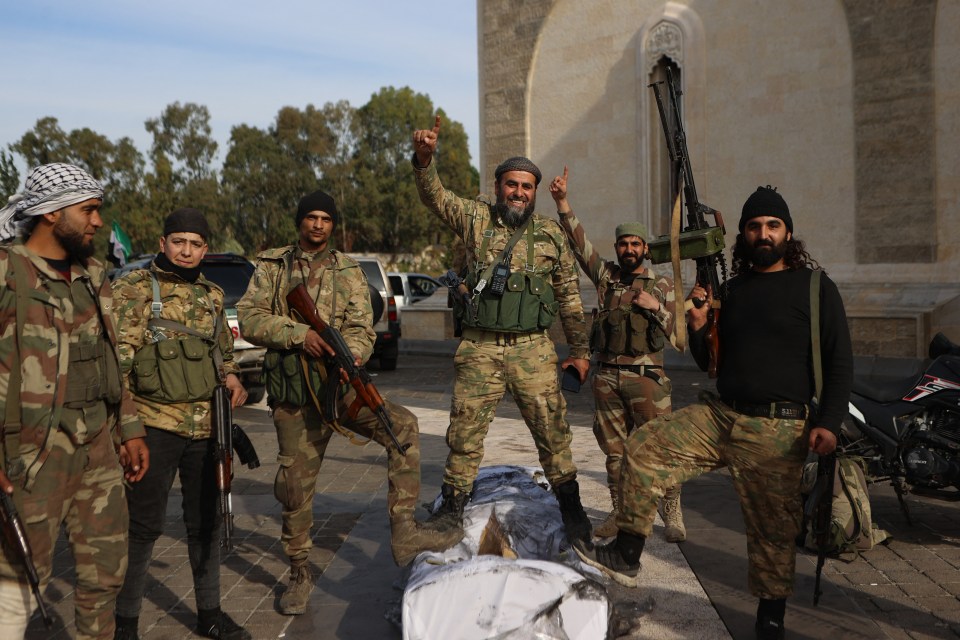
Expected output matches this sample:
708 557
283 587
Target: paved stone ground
908 589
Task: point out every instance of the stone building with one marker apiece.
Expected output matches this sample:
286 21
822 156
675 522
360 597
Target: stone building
850 107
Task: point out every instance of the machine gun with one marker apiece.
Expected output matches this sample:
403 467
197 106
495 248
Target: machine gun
342 367
699 240
17 541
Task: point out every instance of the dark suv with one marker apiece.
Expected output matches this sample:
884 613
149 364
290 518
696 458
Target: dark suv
231 273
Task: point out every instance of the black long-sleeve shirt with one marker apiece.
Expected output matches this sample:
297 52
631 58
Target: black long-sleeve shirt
765 353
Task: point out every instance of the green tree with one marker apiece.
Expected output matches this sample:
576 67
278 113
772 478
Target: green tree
182 133
43 144
9 176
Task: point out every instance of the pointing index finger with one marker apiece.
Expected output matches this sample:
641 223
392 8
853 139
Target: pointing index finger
565 173
436 125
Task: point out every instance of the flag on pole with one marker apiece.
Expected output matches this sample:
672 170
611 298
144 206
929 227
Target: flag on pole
120 248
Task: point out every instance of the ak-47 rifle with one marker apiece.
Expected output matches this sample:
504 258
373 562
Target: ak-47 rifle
229 437
342 367
17 541
821 505
699 240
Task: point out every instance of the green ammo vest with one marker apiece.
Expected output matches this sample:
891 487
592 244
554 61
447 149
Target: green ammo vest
527 304
185 368
621 329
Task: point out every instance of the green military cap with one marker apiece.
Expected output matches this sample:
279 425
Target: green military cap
632 229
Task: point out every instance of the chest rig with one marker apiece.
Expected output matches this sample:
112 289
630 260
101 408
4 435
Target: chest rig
622 328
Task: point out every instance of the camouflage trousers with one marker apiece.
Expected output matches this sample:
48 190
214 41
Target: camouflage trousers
81 487
624 401
765 459
302 436
526 365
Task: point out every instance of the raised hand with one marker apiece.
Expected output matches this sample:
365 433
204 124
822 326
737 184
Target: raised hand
558 189
425 143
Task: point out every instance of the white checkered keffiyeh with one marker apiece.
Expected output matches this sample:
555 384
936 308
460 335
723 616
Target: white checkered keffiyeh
49 187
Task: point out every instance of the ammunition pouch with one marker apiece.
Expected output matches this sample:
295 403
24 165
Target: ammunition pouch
175 370
284 377
526 305
92 375
623 329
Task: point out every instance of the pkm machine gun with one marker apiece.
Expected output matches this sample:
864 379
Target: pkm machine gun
699 240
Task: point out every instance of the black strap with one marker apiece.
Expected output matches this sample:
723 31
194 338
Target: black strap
815 332
507 249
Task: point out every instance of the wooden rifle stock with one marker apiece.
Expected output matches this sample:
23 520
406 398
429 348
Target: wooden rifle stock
344 366
221 416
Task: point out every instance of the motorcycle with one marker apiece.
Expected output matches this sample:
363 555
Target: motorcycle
908 430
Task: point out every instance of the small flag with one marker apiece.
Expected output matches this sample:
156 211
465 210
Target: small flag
120 248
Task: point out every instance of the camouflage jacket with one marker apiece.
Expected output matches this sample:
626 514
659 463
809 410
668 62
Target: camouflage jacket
50 323
603 273
334 280
469 219
183 302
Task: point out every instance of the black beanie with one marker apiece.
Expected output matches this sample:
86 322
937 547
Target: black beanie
765 201
317 201
518 163
187 220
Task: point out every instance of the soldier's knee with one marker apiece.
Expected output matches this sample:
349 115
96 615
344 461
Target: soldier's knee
287 487
16 606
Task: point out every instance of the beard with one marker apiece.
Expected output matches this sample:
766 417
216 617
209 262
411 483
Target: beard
629 261
72 240
765 253
514 215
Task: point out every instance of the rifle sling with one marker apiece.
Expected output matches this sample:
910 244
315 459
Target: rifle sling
332 420
508 248
12 423
815 333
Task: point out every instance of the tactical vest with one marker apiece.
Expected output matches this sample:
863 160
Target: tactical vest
184 368
526 305
283 370
621 328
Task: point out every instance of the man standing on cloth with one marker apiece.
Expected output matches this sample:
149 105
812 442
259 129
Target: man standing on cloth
175 408
757 426
522 274
634 325
65 411
296 382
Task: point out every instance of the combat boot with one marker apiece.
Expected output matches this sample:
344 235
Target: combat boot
126 628
673 515
608 528
619 558
214 623
408 538
449 515
294 600
770 614
575 520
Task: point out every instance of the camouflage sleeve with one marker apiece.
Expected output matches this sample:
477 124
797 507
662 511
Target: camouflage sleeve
590 261
128 425
448 206
258 323
356 325
131 312
664 292
226 342
566 288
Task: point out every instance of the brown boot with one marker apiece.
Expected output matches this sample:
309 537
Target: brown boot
608 528
408 538
294 600
673 515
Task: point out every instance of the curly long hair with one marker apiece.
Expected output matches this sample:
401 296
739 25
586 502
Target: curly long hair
795 256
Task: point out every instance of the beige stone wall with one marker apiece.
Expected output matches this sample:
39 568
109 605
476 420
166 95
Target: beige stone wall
851 108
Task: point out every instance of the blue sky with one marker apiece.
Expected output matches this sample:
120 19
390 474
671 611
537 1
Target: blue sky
111 64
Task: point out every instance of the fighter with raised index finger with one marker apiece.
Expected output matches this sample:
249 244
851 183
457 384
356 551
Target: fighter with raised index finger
522 275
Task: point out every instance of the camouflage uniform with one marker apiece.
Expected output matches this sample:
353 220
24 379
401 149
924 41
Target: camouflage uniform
339 287
628 389
66 469
197 306
764 333
489 362
765 458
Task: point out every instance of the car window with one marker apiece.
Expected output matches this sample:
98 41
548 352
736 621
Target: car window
422 286
374 276
232 277
397 285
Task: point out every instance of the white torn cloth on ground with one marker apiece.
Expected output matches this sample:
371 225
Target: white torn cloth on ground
512 576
